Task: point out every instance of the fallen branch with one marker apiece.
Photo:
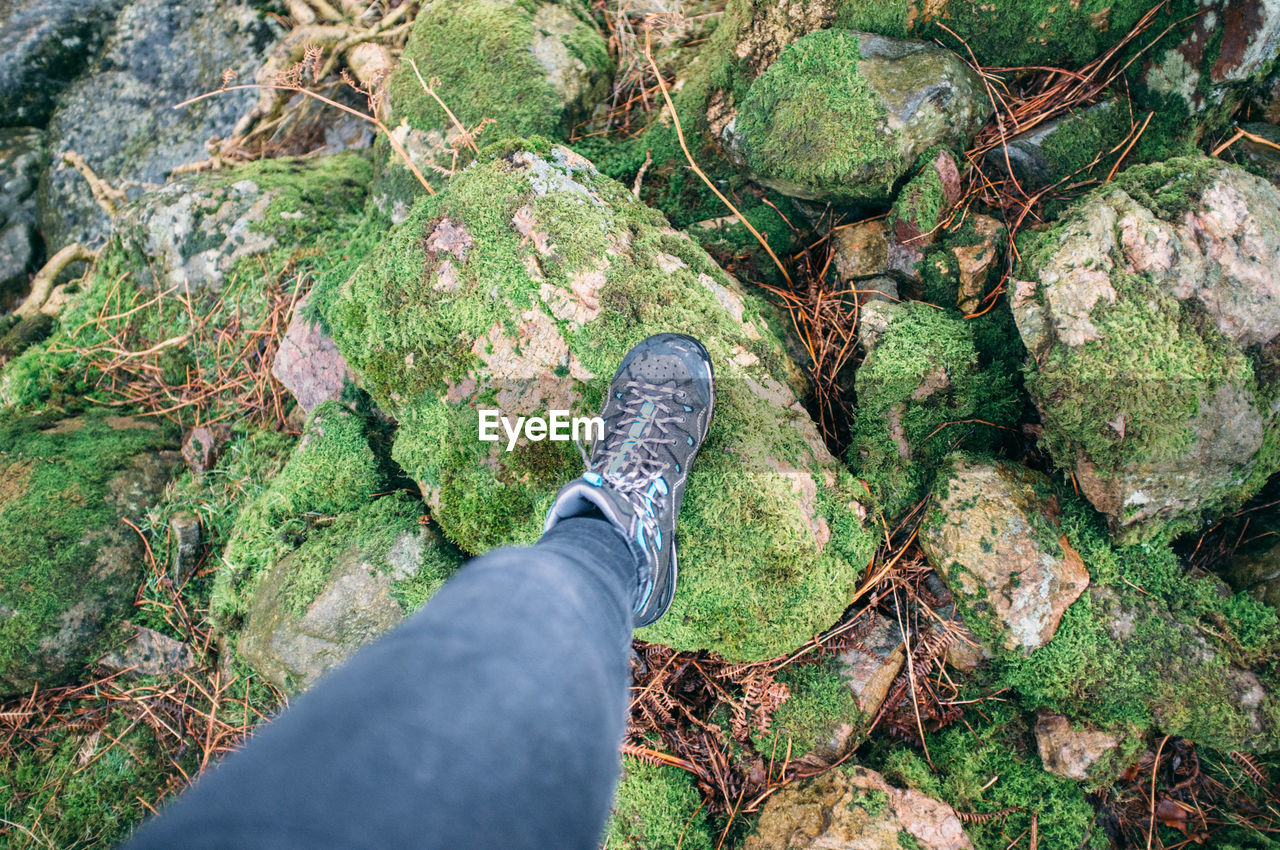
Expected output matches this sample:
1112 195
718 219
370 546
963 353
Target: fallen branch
42 283
107 196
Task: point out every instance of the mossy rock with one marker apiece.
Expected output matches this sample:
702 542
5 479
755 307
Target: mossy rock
921 372
1152 646
352 579
69 563
333 470
1150 315
219 239
855 807
657 808
526 67
988 763
520 288
991 533
842 115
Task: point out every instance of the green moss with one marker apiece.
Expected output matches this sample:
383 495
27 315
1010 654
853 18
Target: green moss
820 703
812 120
1156 648
1007 33
412 341
73 803
877 16
988 764
895 441
331 471
482 53
921 201
1083 136
55 517
657 808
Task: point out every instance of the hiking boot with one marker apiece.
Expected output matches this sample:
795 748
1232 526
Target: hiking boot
656 418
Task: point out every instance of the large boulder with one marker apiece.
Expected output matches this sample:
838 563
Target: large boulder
350 581
44 45
506 68
991 532
1150 315
842 115
854 808
117 115
520 288
21 249
69 562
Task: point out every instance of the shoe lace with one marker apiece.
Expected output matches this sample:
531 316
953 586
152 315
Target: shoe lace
636 449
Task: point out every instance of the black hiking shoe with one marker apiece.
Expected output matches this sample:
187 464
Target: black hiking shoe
656 418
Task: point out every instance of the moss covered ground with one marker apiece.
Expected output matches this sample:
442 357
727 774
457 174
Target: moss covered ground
331 471
55 516
656 808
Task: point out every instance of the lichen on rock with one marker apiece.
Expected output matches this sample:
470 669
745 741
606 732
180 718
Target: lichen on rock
519 288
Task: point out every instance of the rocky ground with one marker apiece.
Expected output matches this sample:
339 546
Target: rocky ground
982 550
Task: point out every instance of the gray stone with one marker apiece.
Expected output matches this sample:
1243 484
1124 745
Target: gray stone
149 653
118 116
293 641
1024 155
184 553
1071 751
855 809
44 45
991 533
21 249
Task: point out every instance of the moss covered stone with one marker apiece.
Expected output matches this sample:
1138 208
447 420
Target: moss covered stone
520 288
533 67
202 251
921 372
352 579
842 115
1148 314
1151 646
820 716
331 471
69 564
989 764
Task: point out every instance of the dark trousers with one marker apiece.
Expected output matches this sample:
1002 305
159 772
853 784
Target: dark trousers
489 719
